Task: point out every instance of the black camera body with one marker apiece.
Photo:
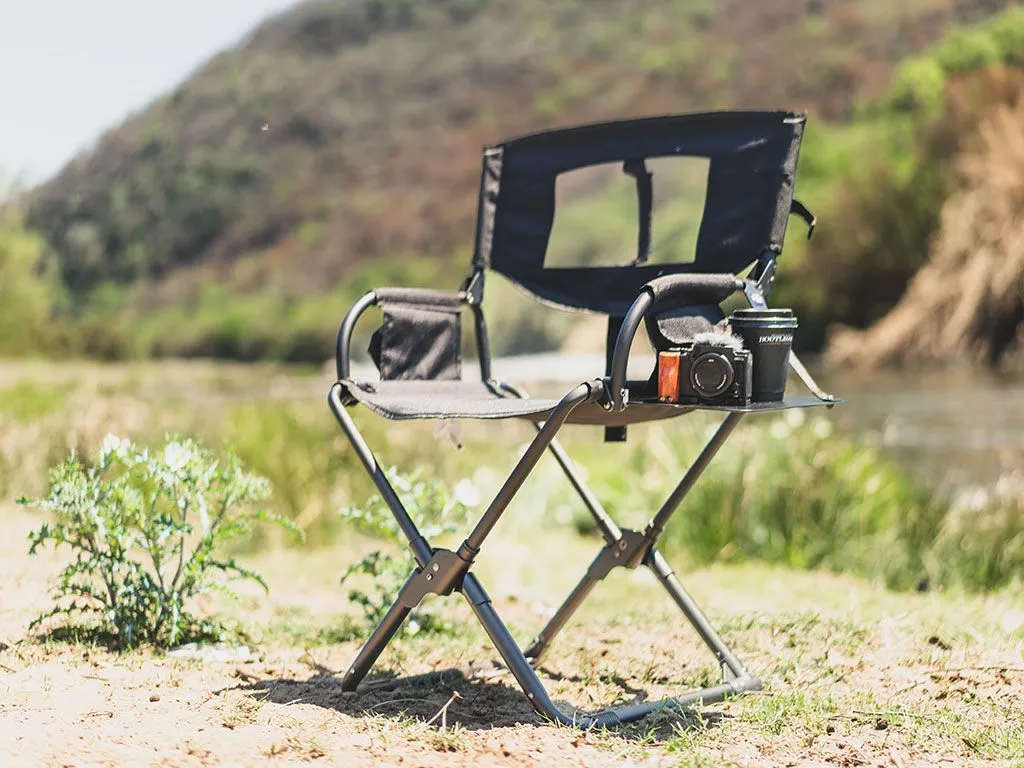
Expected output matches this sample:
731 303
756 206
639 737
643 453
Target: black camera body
714 373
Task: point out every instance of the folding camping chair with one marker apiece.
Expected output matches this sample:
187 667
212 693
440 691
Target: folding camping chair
752 164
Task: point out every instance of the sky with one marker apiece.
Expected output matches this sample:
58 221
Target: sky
71 69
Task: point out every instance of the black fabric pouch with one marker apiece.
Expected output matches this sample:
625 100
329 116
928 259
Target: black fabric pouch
418 341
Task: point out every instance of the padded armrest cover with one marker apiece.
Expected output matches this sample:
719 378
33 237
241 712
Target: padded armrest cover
705 287
418 296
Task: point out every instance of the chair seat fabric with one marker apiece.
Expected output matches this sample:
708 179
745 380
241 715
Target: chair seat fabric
406 400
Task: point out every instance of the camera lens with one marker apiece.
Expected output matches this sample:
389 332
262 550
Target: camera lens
711 375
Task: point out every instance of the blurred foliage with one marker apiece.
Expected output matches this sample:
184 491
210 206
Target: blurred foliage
786 489
274 419
878 182
28 293
792 492
279 174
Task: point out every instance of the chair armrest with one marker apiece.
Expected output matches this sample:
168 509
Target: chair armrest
343 346
660 289
710 286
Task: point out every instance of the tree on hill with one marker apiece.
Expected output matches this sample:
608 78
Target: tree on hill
345 131
27 293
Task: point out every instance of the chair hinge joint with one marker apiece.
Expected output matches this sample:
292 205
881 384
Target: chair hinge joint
442 575
628 551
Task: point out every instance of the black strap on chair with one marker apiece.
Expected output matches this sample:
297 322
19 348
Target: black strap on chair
616 434
799 209
645 205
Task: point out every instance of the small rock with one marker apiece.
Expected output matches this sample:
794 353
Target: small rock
154 697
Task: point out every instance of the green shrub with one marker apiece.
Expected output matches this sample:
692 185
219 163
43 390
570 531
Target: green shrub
147 533
437 510
27 293
919 83
967 49
791 492
1007 31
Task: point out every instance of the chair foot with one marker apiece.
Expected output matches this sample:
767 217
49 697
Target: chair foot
373 648
738 680
526 676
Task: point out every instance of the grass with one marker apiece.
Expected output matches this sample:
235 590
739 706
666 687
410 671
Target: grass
298 626
787 490
848 668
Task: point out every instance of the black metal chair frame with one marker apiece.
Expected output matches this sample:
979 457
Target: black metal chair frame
442 571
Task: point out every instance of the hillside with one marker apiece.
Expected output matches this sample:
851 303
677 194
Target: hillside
341 138
967 301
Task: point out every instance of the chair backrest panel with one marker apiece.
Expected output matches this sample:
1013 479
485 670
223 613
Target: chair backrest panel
752 166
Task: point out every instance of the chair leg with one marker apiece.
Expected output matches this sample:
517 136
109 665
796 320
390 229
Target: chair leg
730 664
623 549
538 695
442 571
439 571
373 648
421 549
540 643
609 530
628 548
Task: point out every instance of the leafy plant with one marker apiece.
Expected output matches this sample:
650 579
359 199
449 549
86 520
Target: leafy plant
437 509
147 533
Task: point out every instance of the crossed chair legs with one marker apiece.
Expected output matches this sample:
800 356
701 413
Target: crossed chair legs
441 571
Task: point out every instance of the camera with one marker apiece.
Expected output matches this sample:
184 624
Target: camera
713 369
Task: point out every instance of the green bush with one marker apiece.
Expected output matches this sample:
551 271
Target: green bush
968 49
791 492
919 83
147 533
438 511
1007 31
27 293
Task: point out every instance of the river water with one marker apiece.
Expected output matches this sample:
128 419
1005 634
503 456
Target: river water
956 427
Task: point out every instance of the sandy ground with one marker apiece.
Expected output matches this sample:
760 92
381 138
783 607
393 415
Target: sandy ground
854 676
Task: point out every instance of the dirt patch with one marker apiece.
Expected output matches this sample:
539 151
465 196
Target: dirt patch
854 676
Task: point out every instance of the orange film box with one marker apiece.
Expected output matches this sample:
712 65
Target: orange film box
668 377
